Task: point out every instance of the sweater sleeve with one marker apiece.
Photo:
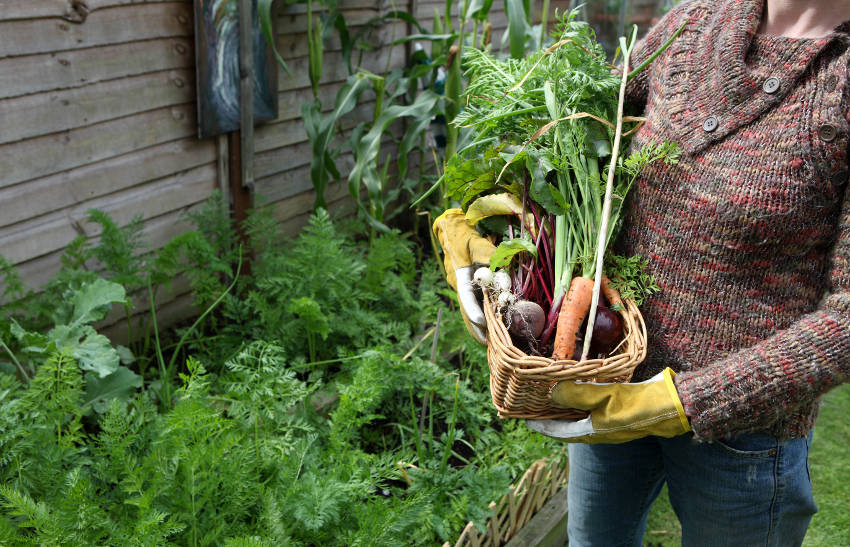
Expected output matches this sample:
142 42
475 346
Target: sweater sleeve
761 385
637 90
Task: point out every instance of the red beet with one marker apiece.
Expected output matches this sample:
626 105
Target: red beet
527 319
607 330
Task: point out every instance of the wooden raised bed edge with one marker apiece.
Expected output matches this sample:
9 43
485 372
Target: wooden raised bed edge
532 513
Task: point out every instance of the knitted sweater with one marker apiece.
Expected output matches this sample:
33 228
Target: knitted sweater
748 235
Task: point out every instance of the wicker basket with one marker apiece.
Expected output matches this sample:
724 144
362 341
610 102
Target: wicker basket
520 384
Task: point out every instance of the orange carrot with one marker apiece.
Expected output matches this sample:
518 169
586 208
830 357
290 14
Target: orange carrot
615 302
573 311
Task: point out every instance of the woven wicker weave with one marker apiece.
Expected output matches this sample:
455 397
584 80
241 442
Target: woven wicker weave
520 383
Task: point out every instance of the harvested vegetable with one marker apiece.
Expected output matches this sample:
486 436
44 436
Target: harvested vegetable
506 298
573 313
483 277
527 320
501 281
547 134
615 301
607 330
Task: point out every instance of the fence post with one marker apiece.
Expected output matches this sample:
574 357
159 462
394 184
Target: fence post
246 99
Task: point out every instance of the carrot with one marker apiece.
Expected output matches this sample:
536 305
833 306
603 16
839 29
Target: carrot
573 311
615 302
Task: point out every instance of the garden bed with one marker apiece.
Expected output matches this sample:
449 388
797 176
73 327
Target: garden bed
331 408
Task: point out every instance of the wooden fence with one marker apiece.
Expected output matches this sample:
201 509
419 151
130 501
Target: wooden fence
97 110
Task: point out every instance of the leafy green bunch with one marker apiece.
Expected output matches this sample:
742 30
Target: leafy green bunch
549 134
507 99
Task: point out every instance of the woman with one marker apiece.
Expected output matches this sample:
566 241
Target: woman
749 238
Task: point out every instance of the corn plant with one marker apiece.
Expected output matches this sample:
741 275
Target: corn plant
397 95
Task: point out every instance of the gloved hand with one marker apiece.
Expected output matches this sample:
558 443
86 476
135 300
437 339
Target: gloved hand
464 250
618 412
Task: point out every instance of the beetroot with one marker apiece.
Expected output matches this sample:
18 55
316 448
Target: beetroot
607 330
527 320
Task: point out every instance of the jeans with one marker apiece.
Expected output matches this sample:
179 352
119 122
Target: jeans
749 491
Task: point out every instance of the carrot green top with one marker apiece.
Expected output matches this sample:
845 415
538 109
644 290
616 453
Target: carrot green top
749 234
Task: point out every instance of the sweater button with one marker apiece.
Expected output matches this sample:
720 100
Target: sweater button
710 124
839 178
771 85
827 132
831 82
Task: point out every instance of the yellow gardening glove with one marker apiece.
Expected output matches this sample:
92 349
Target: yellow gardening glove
464 250
618 412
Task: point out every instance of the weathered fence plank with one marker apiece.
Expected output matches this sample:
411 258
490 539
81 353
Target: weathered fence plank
94 118
42 156
289 20
294 44
294 216
334 68
55 192
343 6
42 235
46 113
289 132
290 102
286 184
130 23
20 9
278 160
53 71
156 233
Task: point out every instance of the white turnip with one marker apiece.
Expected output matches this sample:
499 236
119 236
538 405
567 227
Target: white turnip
506 298
502 281
483 277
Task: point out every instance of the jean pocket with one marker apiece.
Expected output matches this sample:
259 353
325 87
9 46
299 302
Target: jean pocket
749 445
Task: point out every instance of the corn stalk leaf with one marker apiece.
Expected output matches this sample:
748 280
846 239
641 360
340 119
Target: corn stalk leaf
401 15
425 37
518 26
337 20
437 48
365 170
316 47
479 9
320 130
454 86
410 141
264 13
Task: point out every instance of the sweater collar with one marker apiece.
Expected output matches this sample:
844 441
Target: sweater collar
721 72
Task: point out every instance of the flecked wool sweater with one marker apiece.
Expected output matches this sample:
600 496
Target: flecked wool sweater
748 235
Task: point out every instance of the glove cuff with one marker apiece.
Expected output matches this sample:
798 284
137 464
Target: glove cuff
674 395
